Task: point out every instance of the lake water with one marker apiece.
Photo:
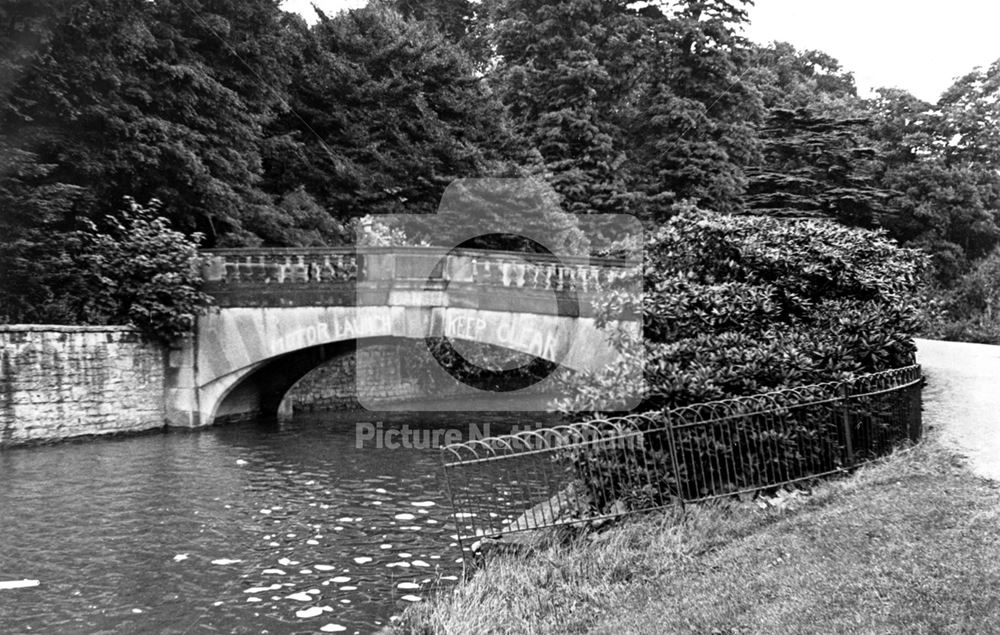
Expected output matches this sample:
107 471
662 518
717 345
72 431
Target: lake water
257 527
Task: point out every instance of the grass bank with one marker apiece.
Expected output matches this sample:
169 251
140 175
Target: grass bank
908 545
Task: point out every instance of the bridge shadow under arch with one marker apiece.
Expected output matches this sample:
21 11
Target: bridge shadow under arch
260 392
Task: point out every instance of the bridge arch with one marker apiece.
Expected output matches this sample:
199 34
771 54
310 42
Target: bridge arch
261 390
258 390
281 312
248 358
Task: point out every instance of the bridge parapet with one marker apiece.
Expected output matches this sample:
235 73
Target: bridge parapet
278 266
330 275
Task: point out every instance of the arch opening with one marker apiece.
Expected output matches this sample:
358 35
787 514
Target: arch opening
260 392
374 373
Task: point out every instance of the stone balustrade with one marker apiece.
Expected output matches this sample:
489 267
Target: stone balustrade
224 269
235 266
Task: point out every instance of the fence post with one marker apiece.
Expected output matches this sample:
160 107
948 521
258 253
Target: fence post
674 465
914 408
846 423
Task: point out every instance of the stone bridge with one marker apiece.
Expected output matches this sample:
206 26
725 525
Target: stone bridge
282 312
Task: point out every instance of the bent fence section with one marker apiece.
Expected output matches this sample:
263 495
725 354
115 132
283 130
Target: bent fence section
609 467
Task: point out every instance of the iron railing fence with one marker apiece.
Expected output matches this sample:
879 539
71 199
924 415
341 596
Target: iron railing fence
606 468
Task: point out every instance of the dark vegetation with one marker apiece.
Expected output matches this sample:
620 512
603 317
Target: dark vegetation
251 127
736 306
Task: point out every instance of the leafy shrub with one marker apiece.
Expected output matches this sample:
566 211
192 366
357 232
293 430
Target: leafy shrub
148 271
738 306
371 231
132 270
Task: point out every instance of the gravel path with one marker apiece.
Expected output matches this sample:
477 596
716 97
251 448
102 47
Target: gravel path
962 399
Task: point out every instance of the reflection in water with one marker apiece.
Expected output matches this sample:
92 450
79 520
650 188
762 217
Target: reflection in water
247 528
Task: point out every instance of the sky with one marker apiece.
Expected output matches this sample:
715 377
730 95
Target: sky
918 45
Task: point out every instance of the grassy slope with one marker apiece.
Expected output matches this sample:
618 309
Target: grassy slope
909 545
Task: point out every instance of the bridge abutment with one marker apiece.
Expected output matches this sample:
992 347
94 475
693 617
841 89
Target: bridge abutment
180 387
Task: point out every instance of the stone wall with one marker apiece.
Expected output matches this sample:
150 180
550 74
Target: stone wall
58 382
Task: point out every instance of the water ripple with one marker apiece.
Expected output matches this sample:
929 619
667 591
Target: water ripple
243 529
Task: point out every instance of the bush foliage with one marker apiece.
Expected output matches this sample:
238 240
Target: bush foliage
737 306
133 269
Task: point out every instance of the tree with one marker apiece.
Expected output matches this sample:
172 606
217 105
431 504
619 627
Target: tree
942 164
513 214
820 167
160 99
692 129
387 112
788 78
631 108
554 75
951 211
454 18
970 114
817 156
968 310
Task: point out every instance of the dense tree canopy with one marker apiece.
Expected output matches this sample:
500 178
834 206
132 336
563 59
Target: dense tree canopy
943 165
631 109
552 75
384 114
817 159
163 100
252 127
694 117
